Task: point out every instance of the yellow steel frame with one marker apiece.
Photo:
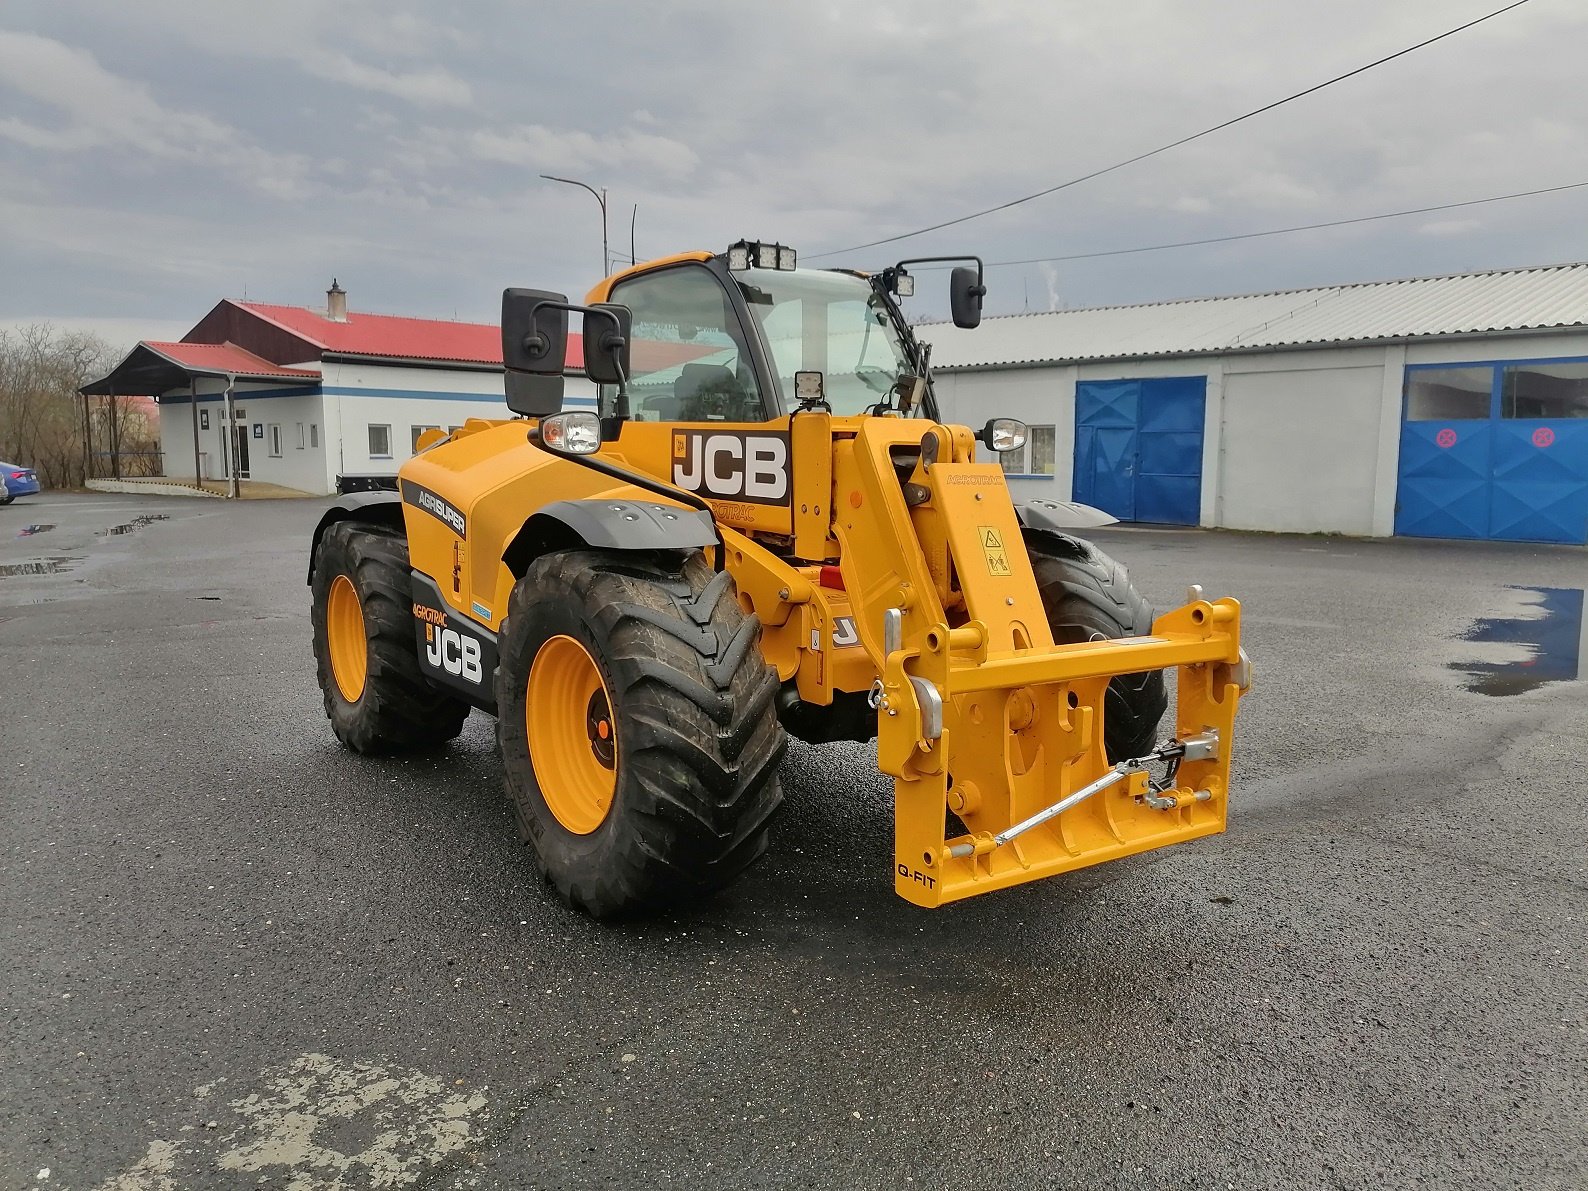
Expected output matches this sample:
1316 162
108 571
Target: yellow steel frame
1021 718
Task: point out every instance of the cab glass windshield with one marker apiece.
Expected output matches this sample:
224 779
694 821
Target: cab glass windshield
832 323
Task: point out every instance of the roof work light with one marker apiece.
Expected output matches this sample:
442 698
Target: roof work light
754 254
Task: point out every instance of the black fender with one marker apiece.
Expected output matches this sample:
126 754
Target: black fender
1062 514
1043 522
379 507
614 524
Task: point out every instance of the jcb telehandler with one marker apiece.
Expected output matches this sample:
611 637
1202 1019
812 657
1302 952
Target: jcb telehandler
764 527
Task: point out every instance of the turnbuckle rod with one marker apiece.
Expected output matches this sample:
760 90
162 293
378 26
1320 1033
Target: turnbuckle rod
1203 746
1118 774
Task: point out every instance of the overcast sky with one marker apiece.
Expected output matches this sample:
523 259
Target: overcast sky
159 155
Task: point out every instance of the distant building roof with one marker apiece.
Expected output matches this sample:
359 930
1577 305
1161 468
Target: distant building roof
1370 311
159 367
396 337
223 358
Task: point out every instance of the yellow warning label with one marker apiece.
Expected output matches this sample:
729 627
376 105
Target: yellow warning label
992 546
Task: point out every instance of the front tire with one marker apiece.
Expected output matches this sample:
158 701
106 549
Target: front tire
1089 597
365 648
639 738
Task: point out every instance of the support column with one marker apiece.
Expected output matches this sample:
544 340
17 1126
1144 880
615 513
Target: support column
1386 471
88 442
1211 513
115 436
192 390
236 490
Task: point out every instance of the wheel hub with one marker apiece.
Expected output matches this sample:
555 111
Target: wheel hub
573 742
598 727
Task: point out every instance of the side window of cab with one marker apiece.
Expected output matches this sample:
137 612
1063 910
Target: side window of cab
688 360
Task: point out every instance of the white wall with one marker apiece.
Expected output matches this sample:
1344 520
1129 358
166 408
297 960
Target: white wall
1302 440
259 404
297 467
358 396
1037 396
1300 443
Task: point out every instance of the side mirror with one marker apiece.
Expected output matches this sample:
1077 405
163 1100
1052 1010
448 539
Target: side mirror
534 350
607 343
965 293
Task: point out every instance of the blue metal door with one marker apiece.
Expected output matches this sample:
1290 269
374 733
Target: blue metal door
1138 448
1444 486
1540 481
1486 475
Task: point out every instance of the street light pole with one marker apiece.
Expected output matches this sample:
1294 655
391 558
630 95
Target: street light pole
600 197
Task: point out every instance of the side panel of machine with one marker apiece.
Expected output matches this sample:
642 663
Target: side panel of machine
453 650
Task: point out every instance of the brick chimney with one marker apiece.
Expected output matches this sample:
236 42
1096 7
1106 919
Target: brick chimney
336 303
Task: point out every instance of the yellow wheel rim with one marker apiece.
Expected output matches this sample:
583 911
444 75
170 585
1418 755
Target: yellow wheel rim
345 640
572 735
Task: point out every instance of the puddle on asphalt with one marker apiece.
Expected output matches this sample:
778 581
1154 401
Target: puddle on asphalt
136 523
41 566
27 531
1541 641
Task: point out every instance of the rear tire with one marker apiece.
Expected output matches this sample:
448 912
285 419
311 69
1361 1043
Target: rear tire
1089 597
678 799
362 589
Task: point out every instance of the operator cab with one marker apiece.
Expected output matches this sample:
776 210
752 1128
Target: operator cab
727 337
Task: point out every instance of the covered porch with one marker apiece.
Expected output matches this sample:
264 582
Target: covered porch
201 374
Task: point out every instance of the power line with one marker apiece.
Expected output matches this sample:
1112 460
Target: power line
1185 140
1278 231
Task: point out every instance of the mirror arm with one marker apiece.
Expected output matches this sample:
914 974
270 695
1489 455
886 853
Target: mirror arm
941 260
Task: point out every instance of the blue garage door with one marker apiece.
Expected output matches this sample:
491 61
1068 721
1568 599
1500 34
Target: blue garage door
1495 451
1138 448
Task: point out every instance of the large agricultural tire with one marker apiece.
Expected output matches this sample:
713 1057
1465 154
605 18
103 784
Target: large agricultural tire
639 736
1089 597
365 649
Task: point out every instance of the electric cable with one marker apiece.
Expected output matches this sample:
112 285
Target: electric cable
1185 140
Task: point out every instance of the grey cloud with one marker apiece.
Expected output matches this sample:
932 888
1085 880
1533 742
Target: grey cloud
273 145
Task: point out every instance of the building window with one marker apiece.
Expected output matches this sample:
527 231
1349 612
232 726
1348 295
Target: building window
1013 462
1043 439
1544 390
239 414
380 442
314 434
414 433
300 436
275 440
1448 394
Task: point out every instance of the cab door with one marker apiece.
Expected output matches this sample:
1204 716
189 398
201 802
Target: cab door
699 417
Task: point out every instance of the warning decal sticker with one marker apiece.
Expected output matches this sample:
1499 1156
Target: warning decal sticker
992 547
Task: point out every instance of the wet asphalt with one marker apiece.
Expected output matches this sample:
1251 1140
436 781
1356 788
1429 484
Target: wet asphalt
1375 978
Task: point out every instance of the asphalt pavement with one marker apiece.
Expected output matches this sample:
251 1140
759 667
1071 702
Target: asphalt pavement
233 954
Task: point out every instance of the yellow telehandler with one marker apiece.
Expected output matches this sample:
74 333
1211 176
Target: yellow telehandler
763 527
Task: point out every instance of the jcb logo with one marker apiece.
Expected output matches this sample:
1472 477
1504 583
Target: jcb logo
449 650
751 467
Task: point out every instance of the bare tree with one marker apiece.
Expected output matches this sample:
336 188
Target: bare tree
44 421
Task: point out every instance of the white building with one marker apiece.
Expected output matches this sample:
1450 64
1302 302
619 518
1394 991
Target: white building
1435 407
311 395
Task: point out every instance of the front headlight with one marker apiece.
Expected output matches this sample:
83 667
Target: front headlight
1004 435
575 433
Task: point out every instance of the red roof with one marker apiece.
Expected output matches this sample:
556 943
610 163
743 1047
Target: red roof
227 357
397 337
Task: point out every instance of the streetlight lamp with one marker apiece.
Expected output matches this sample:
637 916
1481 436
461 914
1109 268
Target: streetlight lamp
600 197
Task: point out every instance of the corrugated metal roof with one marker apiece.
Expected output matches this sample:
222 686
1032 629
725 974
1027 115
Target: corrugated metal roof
1459 304
226 357
395 336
